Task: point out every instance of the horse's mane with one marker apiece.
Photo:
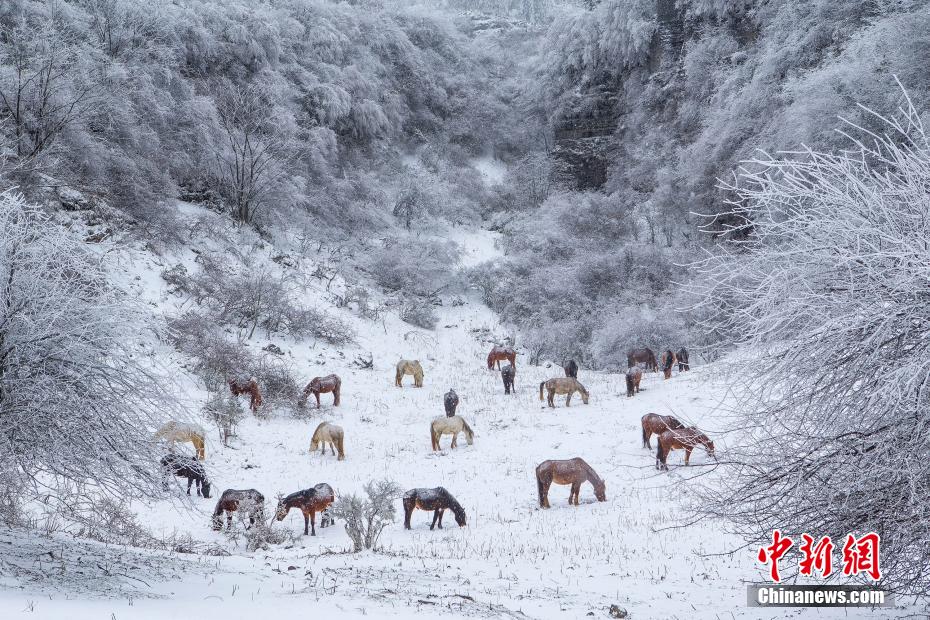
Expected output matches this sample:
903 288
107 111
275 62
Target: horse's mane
454 505
581 388
467 428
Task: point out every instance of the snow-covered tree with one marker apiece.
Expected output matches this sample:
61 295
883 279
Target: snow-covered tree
78 397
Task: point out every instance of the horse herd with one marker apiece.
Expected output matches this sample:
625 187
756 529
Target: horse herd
671 435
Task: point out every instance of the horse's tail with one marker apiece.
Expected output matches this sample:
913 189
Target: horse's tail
645 436
541 385
469 434
434 436
660 453
541 489
399 375
198 440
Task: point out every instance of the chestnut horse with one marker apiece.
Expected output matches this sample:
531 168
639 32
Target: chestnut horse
668 360
499 353
309 502
681 439
508 374
643 356
322 385
450 402
409 367
328 433
437 500
249 500
683 364
572 471
634 376
571 369
655 424
249 387
563 385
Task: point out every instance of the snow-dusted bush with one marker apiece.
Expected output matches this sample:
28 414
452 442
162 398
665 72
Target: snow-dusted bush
414 266
824 289
366 517
419 312
78 397
226 412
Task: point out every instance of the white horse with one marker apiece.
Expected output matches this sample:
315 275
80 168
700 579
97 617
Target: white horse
450 426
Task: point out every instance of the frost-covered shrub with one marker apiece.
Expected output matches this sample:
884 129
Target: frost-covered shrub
414 266
366 517
419 312
226 411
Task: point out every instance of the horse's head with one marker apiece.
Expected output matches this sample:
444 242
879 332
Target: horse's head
281 511
217 522
584 396
709 446
459 513
600 491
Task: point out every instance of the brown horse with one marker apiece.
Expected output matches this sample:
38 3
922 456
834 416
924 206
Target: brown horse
437 500
668 361
322 385
683 365
499 353
309 502
249 500
634 376
643 356
572 471
563 385
508 374
655 424
681 439
249 387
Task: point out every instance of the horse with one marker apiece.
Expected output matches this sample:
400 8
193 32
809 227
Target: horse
184 431
249 387
571 471
322 385
668 360
329 433
563 385
437 500
571 369
450 402
249 500
450 426
634 375
409 367
508 374
643 356
499 353
184 467
310 502
655 424
683 364
681 439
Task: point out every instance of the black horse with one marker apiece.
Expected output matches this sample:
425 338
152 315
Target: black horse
683 364
451 402
571 369
186 467
508 373
437 500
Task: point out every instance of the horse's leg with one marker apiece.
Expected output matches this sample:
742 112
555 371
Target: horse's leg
551 398
442 511
317 394
455 437
306 522
312 524
435 518
574 493
189 481
409 505
688 454
568 399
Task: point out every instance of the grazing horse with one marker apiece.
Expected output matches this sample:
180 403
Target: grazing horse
681 439
643 356
184 467
571 369
563 385
668 360
437 500
499 353
683 364
310 502
450 402
322 385
634 375
409 367
508 374
249 387
450 426
183 431
249 500
331 434
655 424
572 471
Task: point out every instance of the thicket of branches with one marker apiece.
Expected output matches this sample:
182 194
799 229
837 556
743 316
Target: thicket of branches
78 401
824 286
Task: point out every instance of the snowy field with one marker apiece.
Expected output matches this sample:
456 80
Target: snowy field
511 560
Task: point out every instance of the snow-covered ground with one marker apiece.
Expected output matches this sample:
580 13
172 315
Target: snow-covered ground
512 559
